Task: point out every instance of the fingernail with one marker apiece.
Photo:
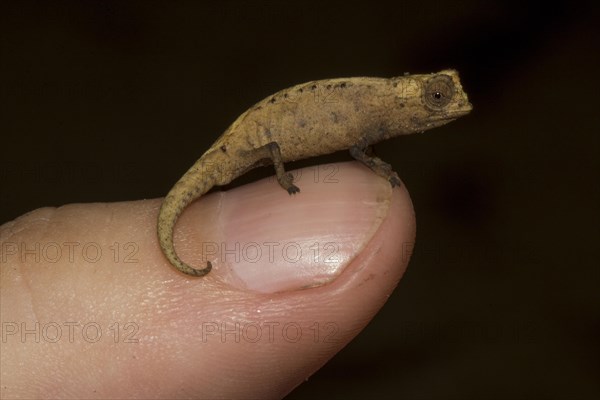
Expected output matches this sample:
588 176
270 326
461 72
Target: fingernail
275 242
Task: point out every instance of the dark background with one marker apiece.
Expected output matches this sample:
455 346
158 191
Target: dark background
110 100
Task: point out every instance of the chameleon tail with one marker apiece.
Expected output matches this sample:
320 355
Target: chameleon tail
187 189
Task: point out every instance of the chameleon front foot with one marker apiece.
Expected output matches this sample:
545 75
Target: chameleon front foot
286 182
376 164
394 179
293 189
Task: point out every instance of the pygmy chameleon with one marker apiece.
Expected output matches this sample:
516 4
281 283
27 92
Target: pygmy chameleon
312 119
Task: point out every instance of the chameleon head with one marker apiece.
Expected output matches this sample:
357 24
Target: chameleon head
433 99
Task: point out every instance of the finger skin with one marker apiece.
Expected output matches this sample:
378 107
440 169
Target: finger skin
132 327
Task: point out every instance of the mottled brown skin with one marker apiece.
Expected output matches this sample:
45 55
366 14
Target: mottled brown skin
313 119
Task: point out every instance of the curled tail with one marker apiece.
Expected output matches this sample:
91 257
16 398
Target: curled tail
191 186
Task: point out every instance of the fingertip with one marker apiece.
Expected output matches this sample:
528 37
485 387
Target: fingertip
268 242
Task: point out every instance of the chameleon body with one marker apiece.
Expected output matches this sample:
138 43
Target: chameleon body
313 119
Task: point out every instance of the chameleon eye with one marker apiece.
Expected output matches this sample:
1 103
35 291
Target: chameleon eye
438 92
